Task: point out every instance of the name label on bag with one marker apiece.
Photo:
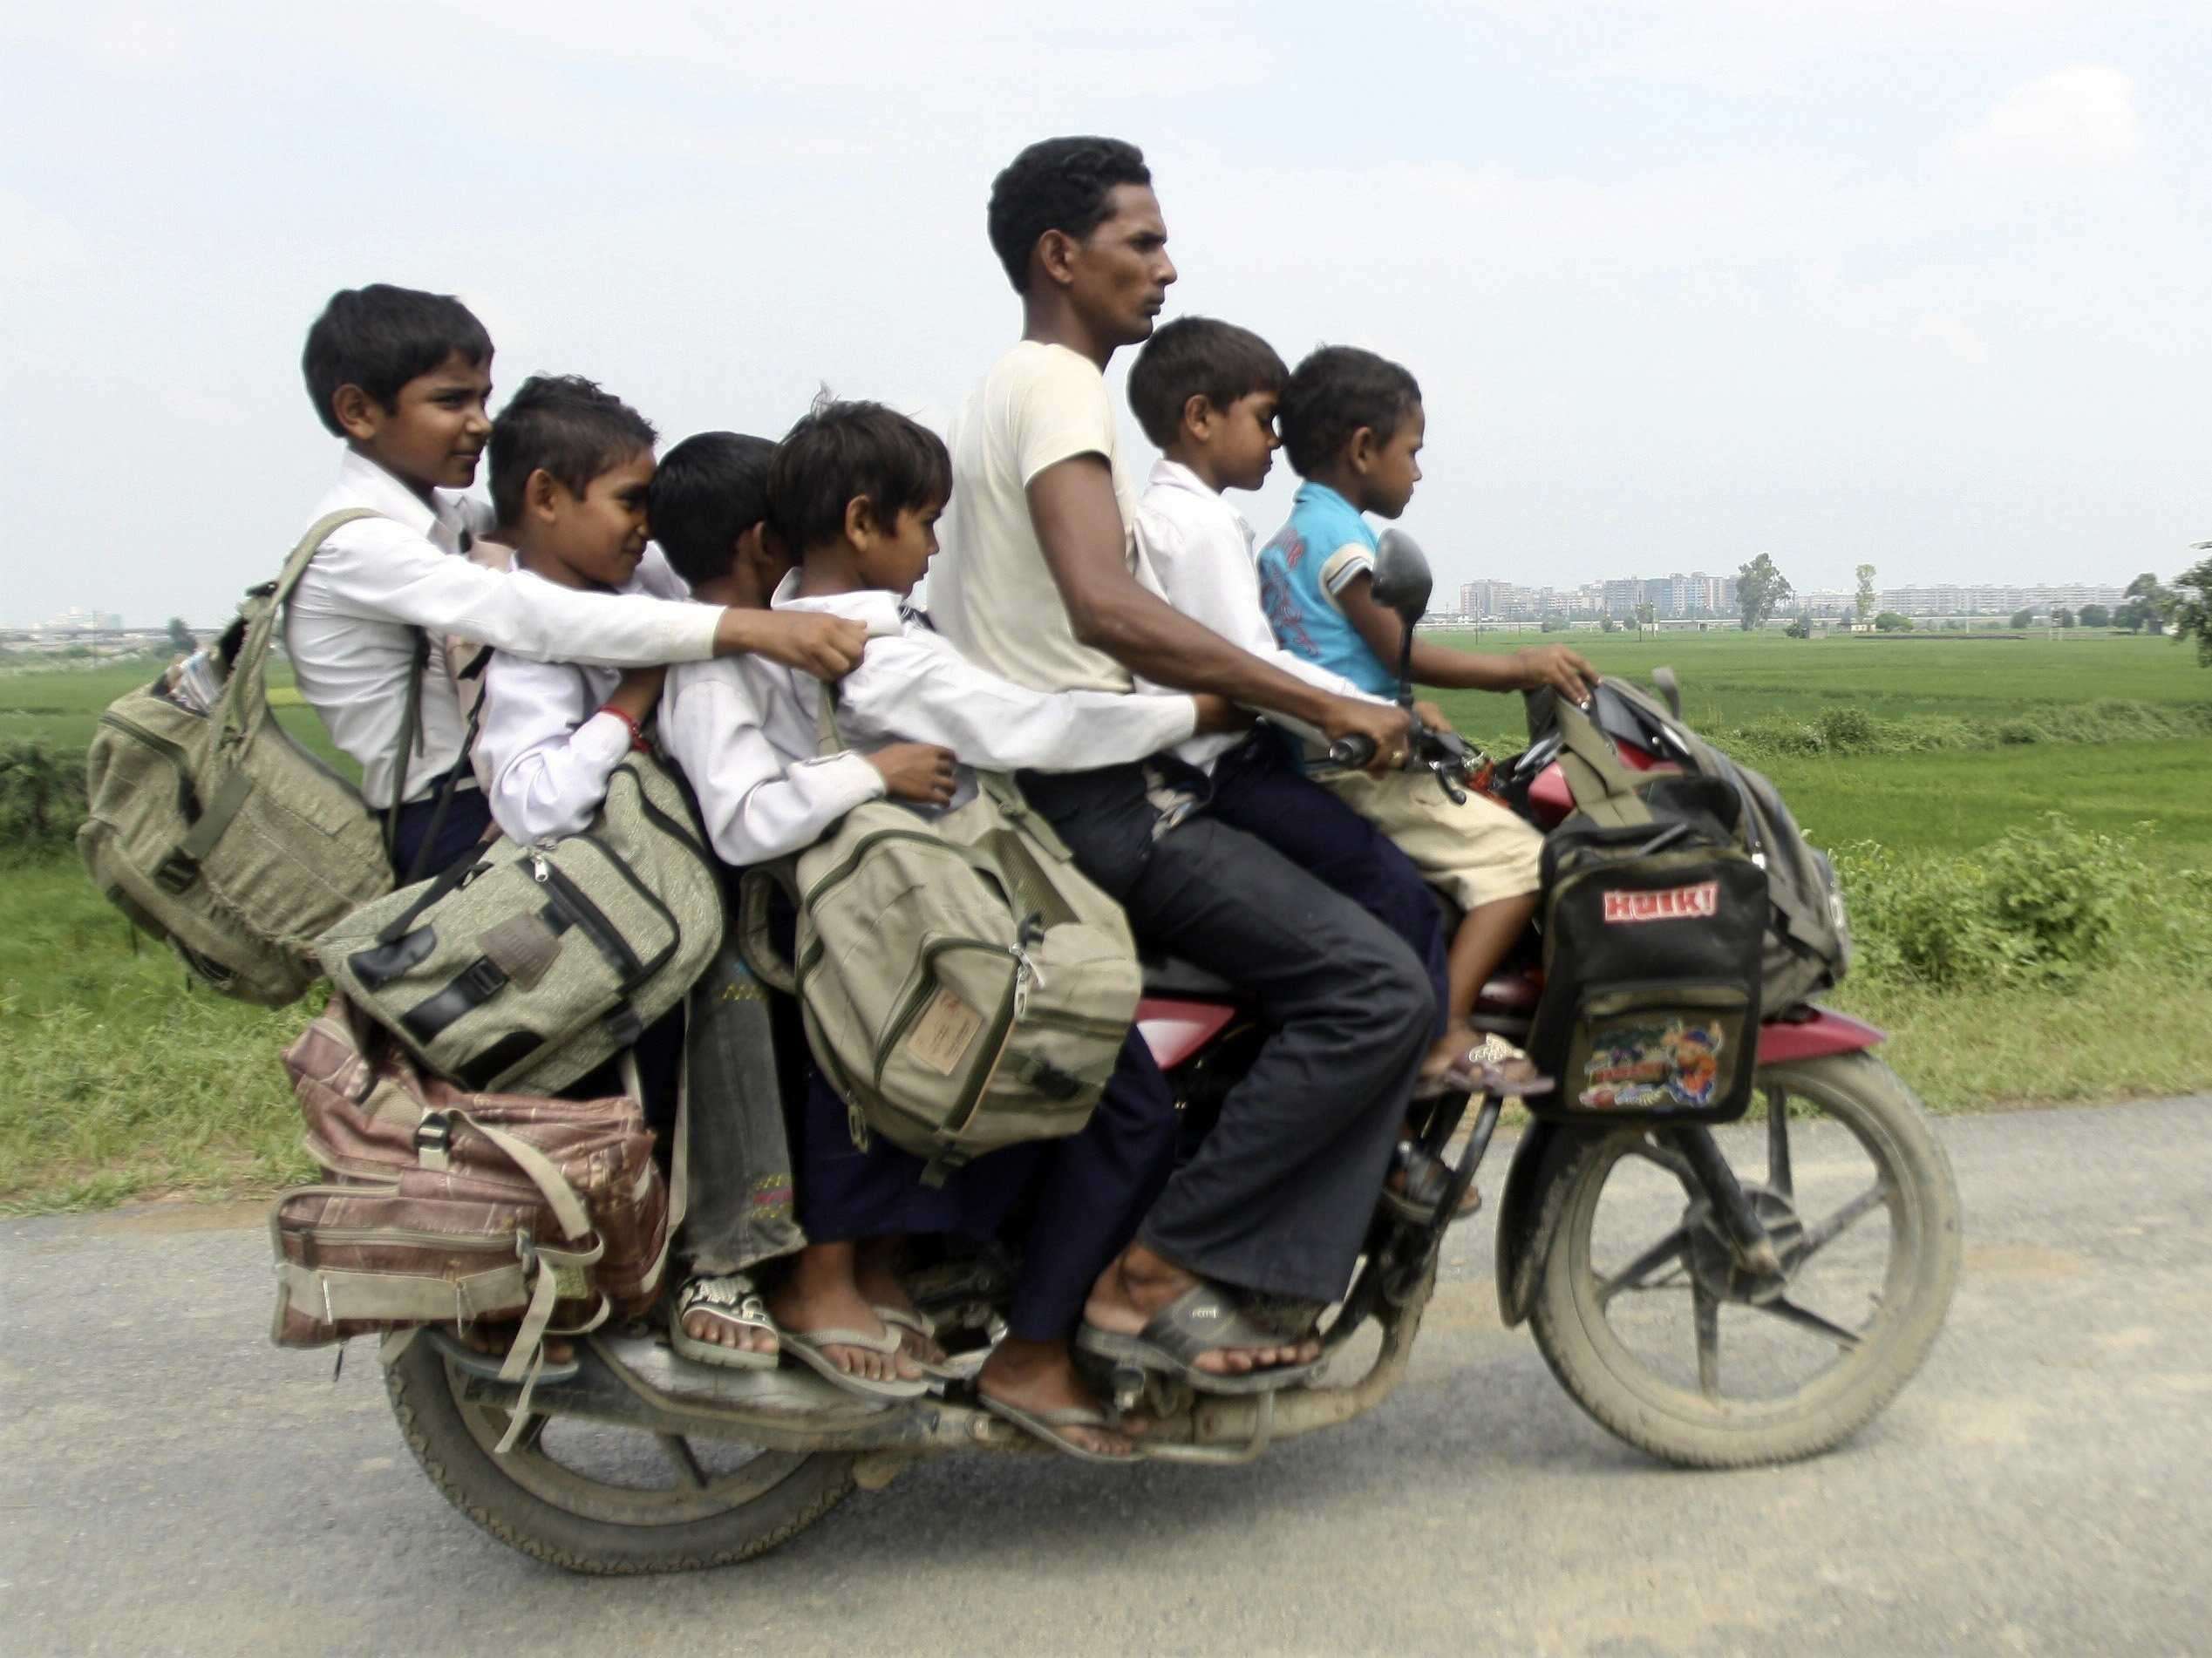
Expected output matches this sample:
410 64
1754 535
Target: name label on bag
1668 904
941 1035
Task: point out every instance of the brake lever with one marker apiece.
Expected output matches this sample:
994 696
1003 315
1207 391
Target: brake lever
1452 792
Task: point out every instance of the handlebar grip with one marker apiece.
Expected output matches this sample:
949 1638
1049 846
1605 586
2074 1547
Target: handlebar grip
1354 750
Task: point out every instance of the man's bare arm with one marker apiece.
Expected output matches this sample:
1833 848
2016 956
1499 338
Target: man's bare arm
1078 525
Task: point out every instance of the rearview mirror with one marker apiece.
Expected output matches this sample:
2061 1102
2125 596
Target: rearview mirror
1401 581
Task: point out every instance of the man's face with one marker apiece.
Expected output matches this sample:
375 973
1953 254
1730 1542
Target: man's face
435 431
1245 446
1119 273
1397 468
600 535
897 558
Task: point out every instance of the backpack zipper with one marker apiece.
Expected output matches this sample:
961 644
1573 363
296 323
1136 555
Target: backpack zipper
179 762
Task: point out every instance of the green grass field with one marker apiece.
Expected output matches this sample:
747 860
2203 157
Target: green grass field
123 1082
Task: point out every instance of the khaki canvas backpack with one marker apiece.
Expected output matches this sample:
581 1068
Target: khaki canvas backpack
526 967
964 987
218 833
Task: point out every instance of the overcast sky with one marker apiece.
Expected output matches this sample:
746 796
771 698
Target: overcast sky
1920 283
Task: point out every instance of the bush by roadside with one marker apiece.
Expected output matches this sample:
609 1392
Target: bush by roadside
1853 732
42 799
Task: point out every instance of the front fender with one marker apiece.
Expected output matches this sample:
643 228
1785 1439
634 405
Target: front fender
1528 1211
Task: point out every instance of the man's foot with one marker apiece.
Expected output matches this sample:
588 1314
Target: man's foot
1140 1283
1036 1386
822 1292
723 1311
875 1268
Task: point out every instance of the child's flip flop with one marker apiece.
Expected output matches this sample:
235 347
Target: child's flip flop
807 1346
1203 1319
1044 1424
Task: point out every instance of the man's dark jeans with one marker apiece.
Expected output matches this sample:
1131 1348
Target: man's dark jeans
1279 1198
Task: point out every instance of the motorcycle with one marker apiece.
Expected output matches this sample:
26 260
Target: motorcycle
1627 1249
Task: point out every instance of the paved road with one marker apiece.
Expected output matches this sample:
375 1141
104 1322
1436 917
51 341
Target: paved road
170 1483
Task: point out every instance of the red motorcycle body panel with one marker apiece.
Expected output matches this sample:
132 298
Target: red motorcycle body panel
1175 1031
1824 1033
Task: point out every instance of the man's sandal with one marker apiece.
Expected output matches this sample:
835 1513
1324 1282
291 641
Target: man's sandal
729 1300
1203 1319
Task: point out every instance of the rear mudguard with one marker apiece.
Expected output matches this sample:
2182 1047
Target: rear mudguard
1535 1191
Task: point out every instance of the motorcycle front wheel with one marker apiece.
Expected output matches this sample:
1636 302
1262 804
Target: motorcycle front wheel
1653 1327
599 1498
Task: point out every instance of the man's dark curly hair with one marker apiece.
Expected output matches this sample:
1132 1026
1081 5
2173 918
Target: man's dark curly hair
1335 391
1057 184
1198 356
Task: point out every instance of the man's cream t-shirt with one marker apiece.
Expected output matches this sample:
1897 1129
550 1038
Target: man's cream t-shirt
990 590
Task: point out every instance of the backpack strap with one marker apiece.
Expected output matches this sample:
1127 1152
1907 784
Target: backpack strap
756 940
1670 688
245 700
1605 789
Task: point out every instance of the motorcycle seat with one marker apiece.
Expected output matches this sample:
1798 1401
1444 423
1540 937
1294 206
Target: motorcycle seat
1170 978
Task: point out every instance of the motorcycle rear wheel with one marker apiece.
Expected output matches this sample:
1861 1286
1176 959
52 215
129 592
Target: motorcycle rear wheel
591 1507
1632 1381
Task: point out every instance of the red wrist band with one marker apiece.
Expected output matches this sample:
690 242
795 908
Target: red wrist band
636 731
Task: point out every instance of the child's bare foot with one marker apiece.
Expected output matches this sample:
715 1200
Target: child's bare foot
1037 1381
876 1269
1140 1283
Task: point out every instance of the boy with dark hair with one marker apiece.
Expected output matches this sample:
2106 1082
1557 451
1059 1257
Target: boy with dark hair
1353 425
855 491
404 377
571 465
1040 584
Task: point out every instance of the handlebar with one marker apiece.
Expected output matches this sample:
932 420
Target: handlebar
1356 751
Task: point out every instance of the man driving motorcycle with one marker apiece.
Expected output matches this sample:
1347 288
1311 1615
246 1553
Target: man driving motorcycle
1036 583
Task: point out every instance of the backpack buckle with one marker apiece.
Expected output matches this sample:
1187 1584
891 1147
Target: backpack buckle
176 874
434 1140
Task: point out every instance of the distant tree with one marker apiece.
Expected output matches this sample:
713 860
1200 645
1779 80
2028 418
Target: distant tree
1761 590
1866 596
1646 616
2191 605
2151 602
180 636
2095 616
2062 617
1552 624
1891 622
1611 626
2022 618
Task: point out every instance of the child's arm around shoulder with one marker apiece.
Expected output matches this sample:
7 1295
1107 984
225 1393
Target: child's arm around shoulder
379 569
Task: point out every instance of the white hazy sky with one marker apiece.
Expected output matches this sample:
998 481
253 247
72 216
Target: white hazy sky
1924 283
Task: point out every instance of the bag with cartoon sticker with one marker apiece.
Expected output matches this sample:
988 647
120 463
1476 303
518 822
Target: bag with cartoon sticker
1654 935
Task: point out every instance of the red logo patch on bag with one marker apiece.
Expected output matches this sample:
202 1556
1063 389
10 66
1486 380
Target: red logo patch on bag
1668 904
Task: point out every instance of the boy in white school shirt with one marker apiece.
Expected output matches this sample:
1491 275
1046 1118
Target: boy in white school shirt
403 377
855 490
570 468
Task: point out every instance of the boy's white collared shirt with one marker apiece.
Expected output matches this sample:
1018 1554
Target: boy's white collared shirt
544 752
1194 550
349 627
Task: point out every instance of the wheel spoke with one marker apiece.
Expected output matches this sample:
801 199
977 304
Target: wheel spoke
532 1431
1778 1141
1819 1238
1806 1319
1669 1250
1708 1311
679 1455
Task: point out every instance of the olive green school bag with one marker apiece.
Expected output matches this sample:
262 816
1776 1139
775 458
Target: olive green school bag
521 969
216 832
964 987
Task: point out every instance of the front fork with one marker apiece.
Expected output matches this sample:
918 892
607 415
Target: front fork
1753 1249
